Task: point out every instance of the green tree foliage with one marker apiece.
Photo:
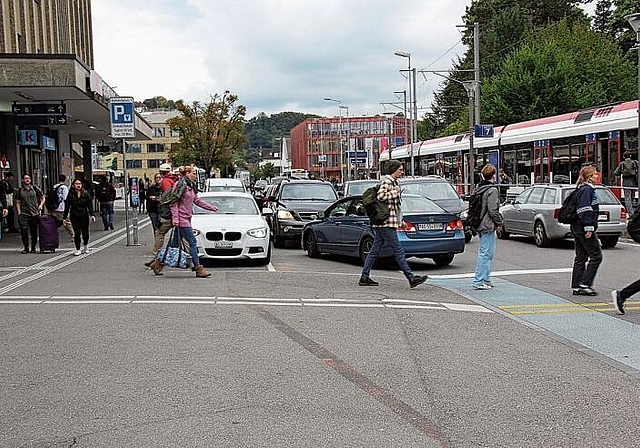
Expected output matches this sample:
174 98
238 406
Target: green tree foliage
558 69
159 102
262 130
609 19
252 155
210 133
265 171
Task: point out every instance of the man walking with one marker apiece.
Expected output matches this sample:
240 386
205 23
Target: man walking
385 233
490 219
29 202
62 191
628 169
106 194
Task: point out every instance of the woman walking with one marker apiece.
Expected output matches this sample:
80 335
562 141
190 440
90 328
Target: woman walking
153 194
181 213
78 207
588 253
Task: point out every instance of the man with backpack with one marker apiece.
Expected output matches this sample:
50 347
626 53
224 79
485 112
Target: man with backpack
106 194
628 169
487 197
55 203
385 232
29 203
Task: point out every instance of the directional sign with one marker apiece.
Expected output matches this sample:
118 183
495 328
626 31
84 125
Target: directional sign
39 109
42 120
122 117
483 131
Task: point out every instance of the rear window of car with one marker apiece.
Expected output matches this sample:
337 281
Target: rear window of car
308 192
433 190
604 195
417 204
358 188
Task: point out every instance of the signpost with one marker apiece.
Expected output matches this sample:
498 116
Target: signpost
122 116
483 131
40 114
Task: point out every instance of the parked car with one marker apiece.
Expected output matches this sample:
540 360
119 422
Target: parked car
344 229
238 230
440 191
357 187
534 212
294 202
224 184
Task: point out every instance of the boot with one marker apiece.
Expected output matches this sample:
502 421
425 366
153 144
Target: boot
200 272
156 266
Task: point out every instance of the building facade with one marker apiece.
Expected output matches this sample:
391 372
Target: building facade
342 148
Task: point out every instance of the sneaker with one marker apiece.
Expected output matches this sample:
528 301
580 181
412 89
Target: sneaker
111 226
417 280
482 286
489 284
25 251
77 252
367 281
84 249
618 302
584 291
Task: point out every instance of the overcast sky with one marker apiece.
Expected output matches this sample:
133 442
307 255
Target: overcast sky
276 55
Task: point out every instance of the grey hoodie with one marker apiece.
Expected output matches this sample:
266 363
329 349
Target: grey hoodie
490 206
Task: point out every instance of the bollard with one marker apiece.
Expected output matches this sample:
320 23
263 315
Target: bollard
134 230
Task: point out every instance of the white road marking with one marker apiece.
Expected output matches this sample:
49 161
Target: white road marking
505 273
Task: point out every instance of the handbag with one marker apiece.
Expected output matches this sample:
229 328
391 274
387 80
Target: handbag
172 254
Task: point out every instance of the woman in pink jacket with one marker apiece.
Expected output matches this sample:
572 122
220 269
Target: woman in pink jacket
181 213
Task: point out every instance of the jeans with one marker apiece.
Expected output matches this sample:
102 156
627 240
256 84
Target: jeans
155 220
629 193
107 213
187 234
388 235
588 257
484 260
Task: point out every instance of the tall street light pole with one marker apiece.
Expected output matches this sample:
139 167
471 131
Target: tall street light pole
634 21
412 100
348 142
406 128
340 139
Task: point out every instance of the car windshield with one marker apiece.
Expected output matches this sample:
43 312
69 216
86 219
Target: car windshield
228 205
235 188
604 195
418 204
357 188
308 192
432 190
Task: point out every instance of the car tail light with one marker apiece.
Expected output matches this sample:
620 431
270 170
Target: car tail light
623 213
556 213
407 227
456 224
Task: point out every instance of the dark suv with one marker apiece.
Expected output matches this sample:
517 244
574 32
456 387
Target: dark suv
440 191
295 202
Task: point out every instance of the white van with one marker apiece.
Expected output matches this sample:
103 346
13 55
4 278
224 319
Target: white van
223 184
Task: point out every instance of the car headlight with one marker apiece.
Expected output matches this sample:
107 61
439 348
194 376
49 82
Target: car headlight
260 232
285 214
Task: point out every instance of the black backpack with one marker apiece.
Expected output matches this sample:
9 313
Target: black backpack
52 200
474 214
377 210
633 225
569 210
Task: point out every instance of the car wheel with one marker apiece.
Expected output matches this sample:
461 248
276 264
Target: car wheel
609 241
365 248
501 232
311 245
540 235
267 260
443 260
468 236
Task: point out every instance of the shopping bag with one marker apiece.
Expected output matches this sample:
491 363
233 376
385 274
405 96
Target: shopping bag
172 254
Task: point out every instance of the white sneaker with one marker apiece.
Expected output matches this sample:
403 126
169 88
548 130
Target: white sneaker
84 249
76 253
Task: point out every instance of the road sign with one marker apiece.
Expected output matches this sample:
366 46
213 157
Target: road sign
122 117
44 120
39 109
483 131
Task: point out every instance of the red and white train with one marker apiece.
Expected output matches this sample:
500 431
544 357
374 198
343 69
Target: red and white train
551 149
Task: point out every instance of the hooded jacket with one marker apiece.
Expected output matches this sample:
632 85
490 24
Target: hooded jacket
491 217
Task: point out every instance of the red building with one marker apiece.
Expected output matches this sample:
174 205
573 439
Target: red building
345 148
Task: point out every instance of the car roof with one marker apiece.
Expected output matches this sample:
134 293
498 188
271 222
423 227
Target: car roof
433 178
224 181
361 181
235 194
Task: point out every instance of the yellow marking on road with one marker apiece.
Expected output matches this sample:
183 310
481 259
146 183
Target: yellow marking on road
558 308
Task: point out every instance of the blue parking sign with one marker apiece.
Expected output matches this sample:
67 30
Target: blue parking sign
122 116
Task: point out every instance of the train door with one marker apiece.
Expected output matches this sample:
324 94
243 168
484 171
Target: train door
541 161
610 156
591 150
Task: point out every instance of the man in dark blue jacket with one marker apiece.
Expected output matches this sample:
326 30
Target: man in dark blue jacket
588 253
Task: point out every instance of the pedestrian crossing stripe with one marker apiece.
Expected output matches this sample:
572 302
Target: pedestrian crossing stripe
559 308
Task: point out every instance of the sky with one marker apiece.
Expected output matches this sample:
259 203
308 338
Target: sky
277 55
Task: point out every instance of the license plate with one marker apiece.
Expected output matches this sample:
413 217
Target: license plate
603 216
430 226
222 244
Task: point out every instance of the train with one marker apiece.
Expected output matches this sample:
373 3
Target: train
545 150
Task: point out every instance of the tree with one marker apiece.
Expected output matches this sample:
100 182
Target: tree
210 133
558 69
159 102
265 171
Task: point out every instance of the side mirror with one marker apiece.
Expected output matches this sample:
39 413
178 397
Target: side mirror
320 214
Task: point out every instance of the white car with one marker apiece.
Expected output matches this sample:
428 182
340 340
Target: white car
237 231
225 184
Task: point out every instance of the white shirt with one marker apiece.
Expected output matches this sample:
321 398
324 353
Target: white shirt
63 191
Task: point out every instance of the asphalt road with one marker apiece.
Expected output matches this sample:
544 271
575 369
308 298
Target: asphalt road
98 352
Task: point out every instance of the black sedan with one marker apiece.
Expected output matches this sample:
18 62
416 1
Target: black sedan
344 229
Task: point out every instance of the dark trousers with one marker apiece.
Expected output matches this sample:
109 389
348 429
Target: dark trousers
588 257
388 235
29 225
80 227
11 219
630 290
155 220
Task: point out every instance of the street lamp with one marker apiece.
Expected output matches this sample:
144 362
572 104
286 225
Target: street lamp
634 21
406 128
412 100
348 141
339 132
